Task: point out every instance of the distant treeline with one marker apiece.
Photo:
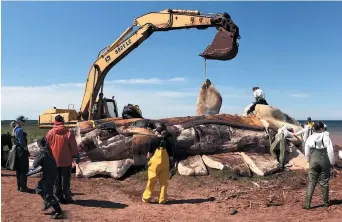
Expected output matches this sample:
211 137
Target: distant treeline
30 122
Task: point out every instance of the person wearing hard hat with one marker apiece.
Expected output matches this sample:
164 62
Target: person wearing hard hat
319 152
158 165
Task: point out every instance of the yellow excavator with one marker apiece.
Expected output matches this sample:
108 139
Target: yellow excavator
94 106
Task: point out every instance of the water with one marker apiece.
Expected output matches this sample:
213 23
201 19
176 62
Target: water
334 128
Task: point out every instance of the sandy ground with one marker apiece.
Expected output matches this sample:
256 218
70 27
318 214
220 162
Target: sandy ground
336 138
210 198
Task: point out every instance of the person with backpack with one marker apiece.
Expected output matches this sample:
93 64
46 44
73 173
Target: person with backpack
20 163
46 161
319 152
64 148
159 158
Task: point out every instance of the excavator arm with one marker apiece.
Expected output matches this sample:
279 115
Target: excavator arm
224 47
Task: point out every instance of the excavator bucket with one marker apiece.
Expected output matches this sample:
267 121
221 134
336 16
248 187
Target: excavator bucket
224 47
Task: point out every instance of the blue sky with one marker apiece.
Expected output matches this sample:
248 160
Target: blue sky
292 50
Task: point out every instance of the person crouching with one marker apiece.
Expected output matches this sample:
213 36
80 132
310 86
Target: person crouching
159 165
281 143
44 188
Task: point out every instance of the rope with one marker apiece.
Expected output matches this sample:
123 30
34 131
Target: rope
205 69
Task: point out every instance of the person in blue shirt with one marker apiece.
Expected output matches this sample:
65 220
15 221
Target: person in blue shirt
22 155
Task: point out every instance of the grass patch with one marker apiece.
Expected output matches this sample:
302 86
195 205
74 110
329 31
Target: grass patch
32 129
224 174
136 172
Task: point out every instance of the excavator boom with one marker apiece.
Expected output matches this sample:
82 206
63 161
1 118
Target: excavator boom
224 47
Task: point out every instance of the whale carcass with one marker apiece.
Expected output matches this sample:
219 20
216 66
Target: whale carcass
111 146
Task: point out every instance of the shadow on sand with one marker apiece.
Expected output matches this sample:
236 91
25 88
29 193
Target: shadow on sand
77 194
191 201
100 203
332 203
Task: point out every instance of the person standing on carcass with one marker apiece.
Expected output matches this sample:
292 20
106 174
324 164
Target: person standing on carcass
64 148
22 154
320 154
160 156
259 96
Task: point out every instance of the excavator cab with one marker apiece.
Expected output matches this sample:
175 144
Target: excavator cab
225 44
109 108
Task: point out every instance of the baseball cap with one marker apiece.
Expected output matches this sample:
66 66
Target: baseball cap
21 118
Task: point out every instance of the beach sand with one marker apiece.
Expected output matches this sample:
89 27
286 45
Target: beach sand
336 138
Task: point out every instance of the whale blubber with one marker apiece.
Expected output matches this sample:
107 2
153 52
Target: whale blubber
209 100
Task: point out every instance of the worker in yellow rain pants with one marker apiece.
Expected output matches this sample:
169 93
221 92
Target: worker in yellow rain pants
158 167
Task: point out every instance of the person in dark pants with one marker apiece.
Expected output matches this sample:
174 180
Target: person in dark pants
22 155
320 154
259 96
44 188
64 147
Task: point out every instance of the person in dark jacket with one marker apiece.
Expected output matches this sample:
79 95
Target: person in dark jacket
44 188
22 155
